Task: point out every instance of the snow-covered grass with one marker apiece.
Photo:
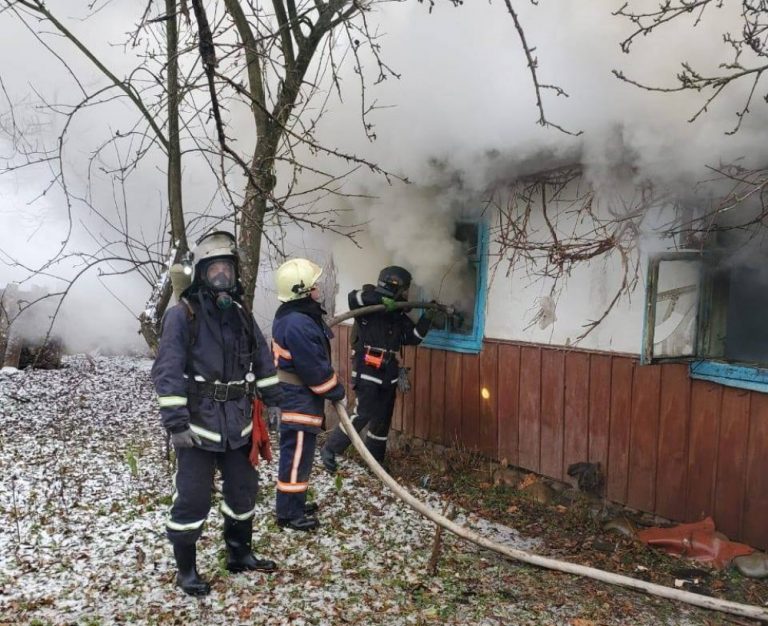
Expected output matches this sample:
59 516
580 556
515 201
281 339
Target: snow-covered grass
85 491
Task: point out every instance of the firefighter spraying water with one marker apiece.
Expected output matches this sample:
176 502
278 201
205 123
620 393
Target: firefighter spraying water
377 342
391 299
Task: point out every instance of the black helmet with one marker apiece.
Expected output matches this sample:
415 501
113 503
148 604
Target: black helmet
393 281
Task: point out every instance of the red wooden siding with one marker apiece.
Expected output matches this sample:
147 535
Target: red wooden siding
453 398
672 446
552 395
643 435
599 400
507 407
421 394
576 409
470 401
409 400
529 416
702 449
489 392
618 428
437 430
681 448
753 526
731 460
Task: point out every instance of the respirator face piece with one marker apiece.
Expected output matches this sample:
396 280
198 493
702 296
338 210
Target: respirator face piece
220 275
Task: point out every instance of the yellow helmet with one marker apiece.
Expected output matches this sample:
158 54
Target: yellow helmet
295 279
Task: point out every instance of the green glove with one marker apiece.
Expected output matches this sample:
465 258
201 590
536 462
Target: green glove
390 304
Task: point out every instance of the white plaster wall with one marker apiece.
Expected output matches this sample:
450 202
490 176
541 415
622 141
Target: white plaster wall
515 299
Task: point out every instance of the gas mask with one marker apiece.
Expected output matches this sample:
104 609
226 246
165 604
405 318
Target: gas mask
221 278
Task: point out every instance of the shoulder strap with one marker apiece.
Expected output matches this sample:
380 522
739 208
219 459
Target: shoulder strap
193 329
192 319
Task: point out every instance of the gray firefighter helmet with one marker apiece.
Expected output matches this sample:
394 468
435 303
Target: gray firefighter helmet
216 250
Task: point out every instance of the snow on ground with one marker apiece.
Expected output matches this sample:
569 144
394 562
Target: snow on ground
84 494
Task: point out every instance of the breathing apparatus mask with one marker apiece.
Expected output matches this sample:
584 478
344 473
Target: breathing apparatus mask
220 277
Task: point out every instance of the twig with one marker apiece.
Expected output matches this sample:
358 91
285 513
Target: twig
437 542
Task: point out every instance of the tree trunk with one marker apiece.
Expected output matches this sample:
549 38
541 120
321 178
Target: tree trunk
252 228
161 295
175 206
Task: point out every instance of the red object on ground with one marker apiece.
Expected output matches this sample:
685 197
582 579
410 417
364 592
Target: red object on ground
260 444
698 541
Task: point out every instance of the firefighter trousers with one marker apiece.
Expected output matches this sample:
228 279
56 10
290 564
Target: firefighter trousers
193 485
375 405
297 452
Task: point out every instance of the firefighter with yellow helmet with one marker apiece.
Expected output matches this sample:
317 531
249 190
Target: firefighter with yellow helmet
301 347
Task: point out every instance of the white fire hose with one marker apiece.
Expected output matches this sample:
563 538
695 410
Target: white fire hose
695 599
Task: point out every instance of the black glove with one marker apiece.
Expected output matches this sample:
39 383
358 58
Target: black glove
274 415
343 403
431 313
185 439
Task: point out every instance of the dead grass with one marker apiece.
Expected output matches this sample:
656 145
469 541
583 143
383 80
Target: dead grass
571 528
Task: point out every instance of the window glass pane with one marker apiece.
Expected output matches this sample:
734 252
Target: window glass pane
677 299
746 334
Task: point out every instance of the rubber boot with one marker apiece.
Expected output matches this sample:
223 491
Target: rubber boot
187 577
304 523
237 536
329 460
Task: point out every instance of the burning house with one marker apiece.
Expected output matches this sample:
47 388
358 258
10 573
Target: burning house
594 325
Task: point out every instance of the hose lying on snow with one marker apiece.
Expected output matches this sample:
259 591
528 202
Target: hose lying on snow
735 608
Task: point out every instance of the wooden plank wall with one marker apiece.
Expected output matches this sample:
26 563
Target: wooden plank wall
681 448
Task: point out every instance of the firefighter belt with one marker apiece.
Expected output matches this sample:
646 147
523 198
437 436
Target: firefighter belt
221 392
377 357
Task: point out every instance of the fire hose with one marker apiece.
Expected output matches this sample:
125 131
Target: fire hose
695 599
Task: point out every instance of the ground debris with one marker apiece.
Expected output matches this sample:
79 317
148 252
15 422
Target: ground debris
87 490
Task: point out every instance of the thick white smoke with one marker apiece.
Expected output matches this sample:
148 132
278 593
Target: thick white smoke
463 115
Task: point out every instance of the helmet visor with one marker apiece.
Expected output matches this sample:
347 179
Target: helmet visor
220 274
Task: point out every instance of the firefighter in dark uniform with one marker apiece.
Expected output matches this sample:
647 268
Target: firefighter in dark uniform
301 346
376 342
211 361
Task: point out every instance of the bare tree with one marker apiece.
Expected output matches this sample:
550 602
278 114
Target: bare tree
275 60
747 50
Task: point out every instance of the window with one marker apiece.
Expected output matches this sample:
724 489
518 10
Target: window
463 332
711 311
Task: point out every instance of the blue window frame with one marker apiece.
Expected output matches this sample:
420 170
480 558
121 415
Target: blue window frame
710 314
731 375
468 336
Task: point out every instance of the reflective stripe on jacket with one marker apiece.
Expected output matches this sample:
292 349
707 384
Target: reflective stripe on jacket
222 349
301 347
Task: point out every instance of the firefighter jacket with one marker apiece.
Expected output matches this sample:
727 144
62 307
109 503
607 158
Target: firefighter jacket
300 342
199 345
380 336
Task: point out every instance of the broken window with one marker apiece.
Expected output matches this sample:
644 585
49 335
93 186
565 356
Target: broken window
709 308
464 290
671 308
